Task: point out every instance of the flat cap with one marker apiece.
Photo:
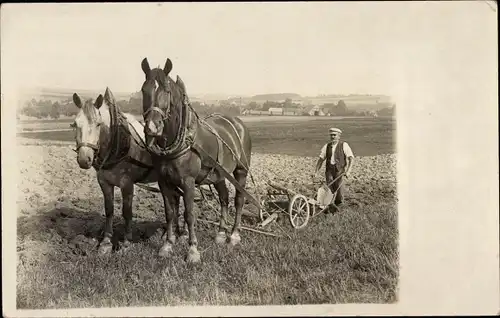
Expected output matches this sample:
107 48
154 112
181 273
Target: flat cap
334 130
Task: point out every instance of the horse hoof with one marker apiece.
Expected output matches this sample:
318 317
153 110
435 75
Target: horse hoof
165 250
126 244
105 248
193 256
235 239
220 238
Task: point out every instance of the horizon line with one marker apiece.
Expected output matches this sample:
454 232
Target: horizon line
37 89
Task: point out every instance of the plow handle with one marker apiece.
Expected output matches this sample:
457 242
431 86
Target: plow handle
329 184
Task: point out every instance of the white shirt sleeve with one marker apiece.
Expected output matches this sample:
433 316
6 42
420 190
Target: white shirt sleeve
322 154
347 150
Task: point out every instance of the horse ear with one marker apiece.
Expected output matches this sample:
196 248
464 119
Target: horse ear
145 66
98 101
168 66
108 97
77 100
181 83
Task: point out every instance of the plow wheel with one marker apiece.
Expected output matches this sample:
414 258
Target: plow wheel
298 211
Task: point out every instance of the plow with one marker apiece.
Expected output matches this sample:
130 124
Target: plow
278 201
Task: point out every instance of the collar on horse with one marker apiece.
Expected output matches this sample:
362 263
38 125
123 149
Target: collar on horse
185 133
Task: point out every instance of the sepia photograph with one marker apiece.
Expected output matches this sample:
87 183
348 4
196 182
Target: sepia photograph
196 155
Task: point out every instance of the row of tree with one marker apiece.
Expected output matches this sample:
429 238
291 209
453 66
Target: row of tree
48 109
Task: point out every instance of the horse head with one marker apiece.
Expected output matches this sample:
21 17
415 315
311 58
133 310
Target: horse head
161 101
91 127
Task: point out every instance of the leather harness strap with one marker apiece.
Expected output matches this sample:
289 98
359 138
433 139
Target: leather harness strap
156 109
220 151
86 144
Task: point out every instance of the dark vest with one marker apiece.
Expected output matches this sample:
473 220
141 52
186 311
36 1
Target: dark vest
339 156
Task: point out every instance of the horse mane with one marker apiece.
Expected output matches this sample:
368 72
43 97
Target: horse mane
90 111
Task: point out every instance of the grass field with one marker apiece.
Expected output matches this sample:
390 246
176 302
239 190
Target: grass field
345 258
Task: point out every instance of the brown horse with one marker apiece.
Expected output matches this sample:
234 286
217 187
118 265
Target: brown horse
114 144
188 151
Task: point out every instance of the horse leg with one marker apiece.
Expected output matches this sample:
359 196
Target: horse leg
193 255
224 203
168 237
109 195
239 199
128 197
182 231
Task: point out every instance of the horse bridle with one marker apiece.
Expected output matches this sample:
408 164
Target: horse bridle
156 109
163 114
94 147
86 144
91 146
174 149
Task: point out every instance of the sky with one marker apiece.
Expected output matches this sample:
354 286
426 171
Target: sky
239 48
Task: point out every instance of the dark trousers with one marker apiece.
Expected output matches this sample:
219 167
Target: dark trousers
331 173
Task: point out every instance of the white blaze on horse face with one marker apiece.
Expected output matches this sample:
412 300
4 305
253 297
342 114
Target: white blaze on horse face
153 130
156 85
87 133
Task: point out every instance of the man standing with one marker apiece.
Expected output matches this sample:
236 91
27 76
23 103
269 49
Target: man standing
339 158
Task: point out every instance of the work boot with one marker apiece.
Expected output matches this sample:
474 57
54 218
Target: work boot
338 205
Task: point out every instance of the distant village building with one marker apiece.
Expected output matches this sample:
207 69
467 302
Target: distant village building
315 111
275 111
258 112
291 111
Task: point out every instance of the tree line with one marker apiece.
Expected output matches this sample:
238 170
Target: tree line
56 109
